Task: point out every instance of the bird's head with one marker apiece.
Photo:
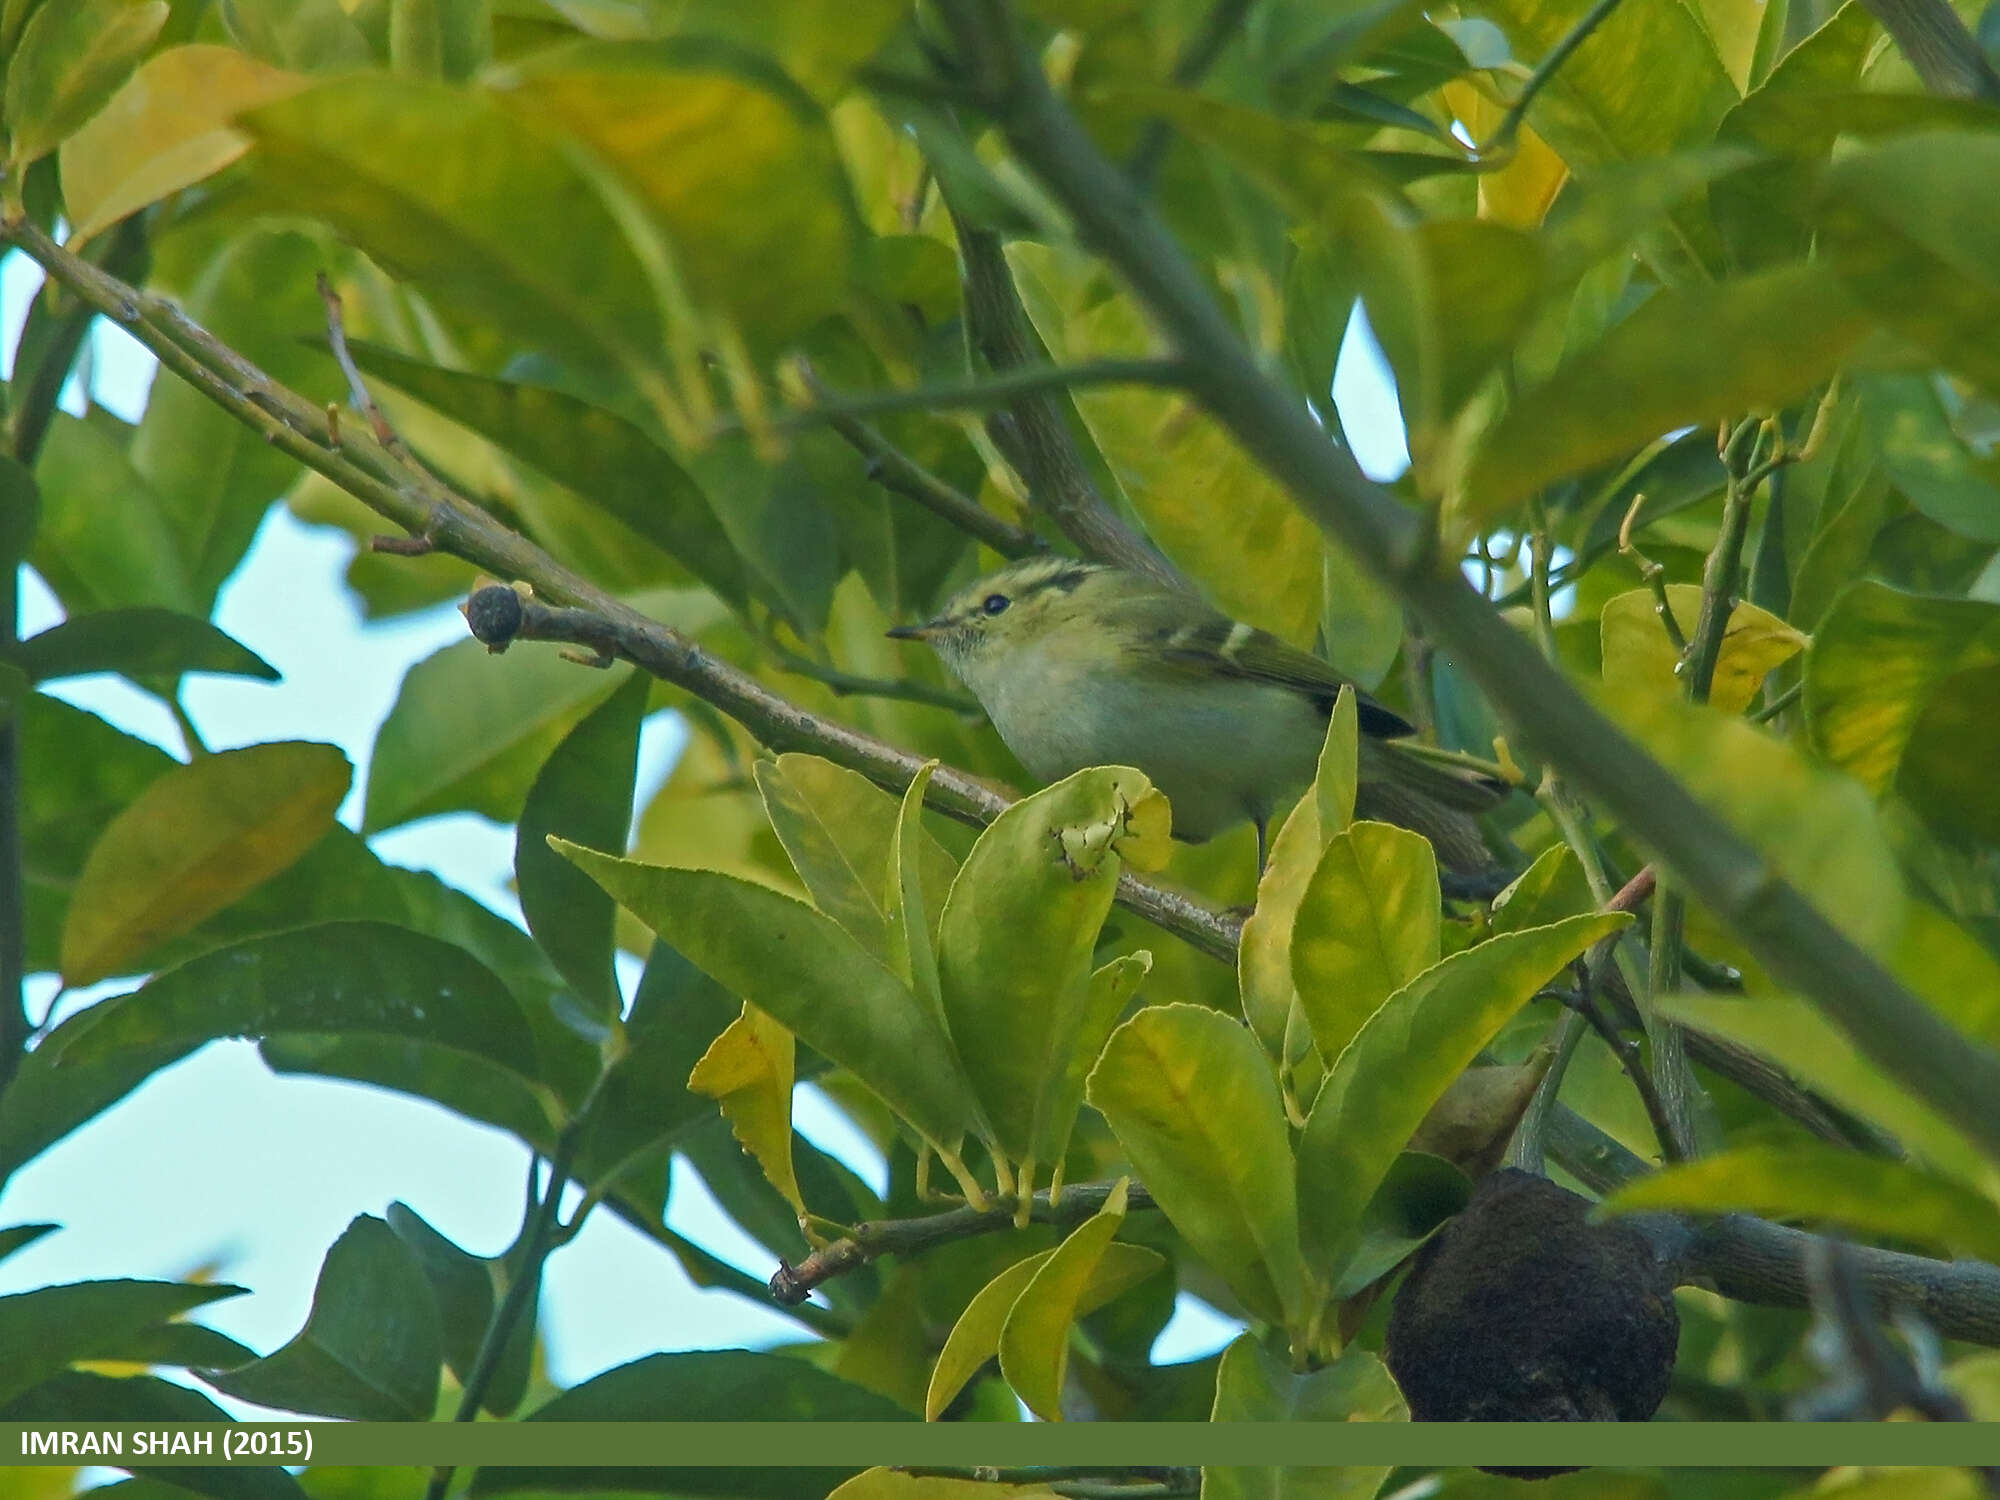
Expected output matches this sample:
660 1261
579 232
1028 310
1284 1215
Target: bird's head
1016 607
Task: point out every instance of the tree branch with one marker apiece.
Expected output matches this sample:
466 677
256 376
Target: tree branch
1006 388
1033 434
900 474
1800 947
1218 28
866 1242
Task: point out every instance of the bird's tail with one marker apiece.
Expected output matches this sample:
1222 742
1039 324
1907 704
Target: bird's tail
1404 783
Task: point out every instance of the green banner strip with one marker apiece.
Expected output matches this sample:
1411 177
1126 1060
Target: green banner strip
860 1444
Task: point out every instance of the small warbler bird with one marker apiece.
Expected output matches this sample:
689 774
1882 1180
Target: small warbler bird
1079 664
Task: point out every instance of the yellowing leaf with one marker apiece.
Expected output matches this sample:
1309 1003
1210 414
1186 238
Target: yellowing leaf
1519 194
166 129
895 1484
748 1071
1637 648
192 843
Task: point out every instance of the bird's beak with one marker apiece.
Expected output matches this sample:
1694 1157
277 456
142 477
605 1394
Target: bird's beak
913 632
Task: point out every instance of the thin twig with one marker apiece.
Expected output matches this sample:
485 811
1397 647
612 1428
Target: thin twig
1652 574
357 388
1502 139
1002 389
853 685
1778 704
1629 1059
900 474
867 1242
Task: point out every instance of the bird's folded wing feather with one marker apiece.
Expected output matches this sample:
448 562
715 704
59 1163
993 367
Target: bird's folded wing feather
1217 646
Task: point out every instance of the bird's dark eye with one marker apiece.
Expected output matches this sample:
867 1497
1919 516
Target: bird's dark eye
995 603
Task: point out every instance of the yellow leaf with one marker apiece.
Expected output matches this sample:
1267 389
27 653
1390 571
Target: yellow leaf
748 1071
192 843
166 129
1519 194
894 1484
1637 649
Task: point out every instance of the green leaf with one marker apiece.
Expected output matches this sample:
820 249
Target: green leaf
1898 693
168 128
730 163
371 1346
583 793
465 1288
1254 1385
1192 1100
192 843
20 1236
1075 1277
836 826
1765 339
470 730
609 462
1207 503
975 1335
1906 225
105 540
721 1385
1551 888
1637 650
912 898
1818 1055
1416 1199
1929 464
1808 1180
137 643
1403 1059
1369 923
806 972
71 58
1264 953
346 978
52 1327
1360 620
1647 82
444 188
1015 943
439 38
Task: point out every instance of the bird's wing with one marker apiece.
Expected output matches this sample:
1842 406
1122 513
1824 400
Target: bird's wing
1217 646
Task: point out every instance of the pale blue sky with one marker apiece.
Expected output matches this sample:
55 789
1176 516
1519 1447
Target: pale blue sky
218 1163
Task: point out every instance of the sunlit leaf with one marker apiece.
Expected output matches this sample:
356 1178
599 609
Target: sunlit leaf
1367 925
166 129
1016 938
1192 1100
1637 650
801 967
748 1071
1765 339
1403 1059
1256 1385
71 58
